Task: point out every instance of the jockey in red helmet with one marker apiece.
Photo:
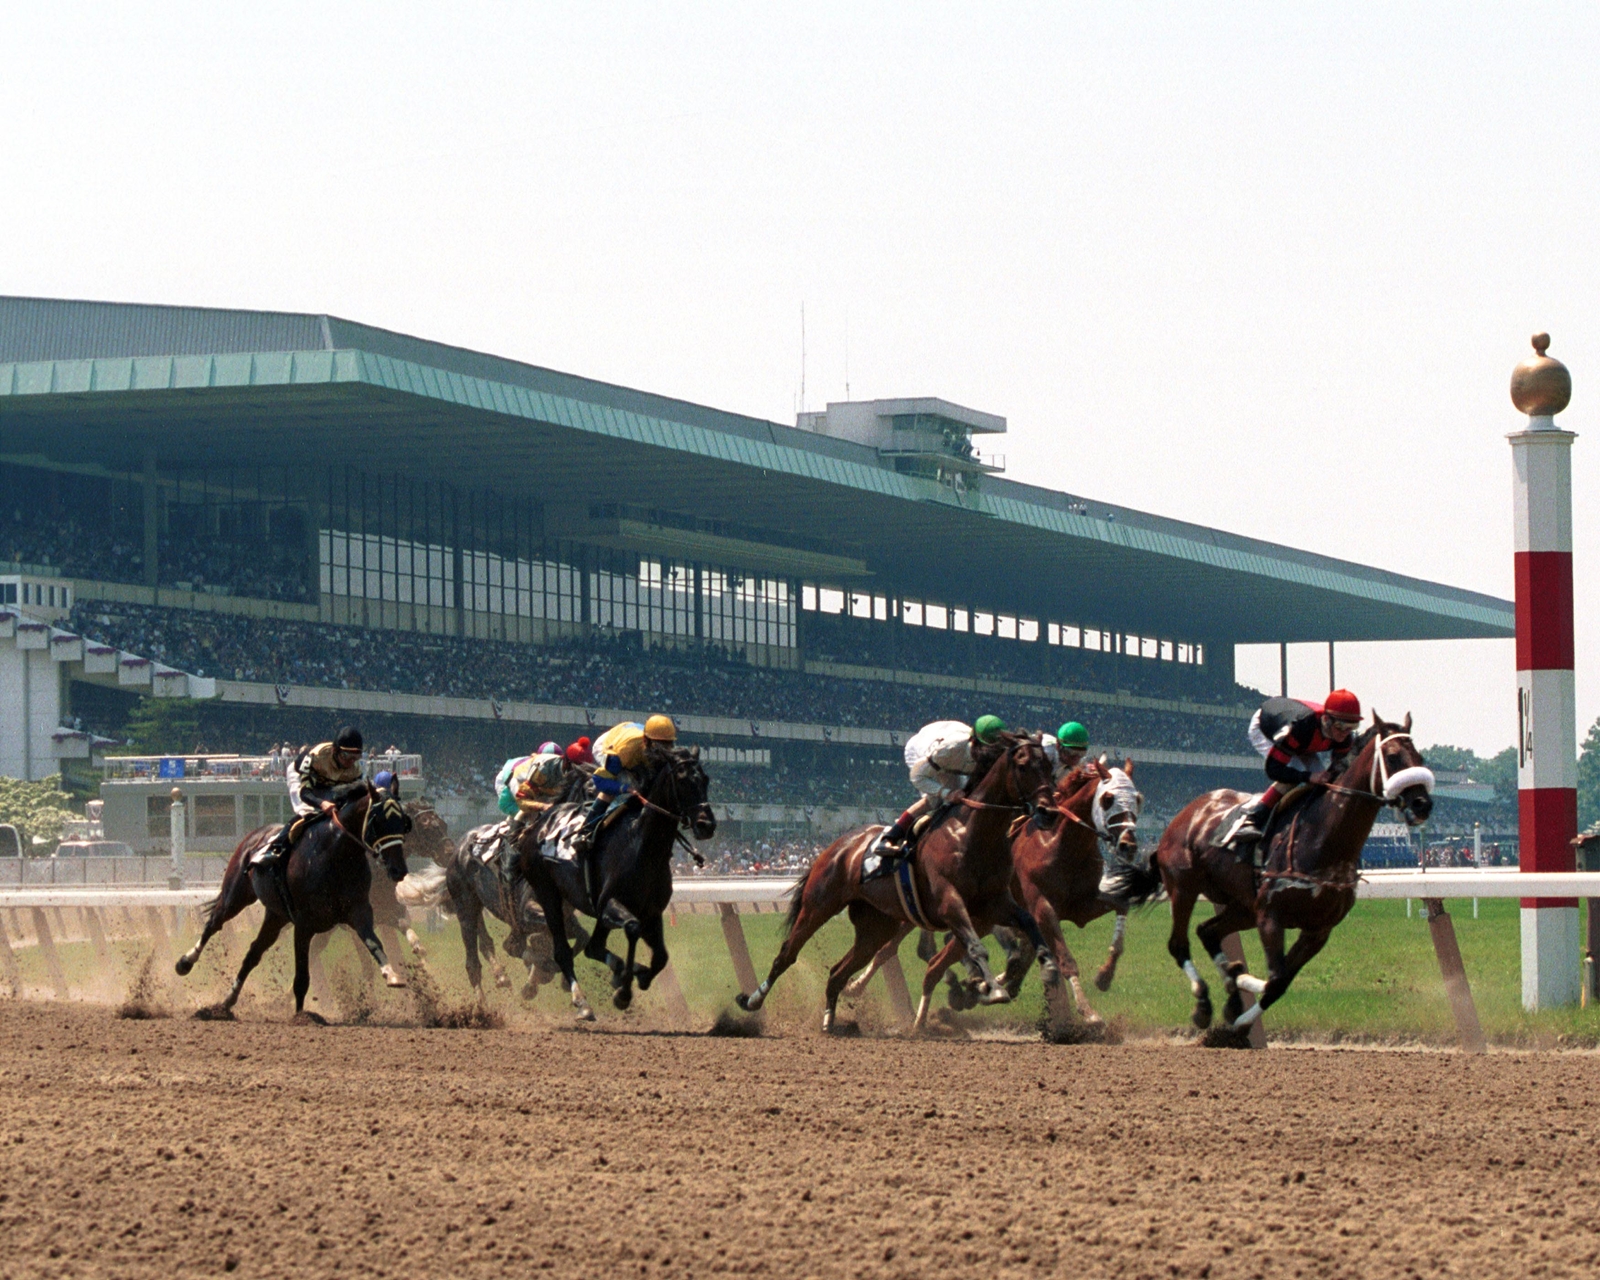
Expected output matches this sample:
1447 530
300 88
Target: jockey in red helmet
1292 734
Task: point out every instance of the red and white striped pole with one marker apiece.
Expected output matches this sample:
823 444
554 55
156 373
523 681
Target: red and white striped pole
1547 740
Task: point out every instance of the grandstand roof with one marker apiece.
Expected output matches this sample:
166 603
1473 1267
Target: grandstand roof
110 381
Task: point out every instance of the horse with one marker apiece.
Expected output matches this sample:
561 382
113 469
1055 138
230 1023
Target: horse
632 858
474 887
328 883
1310 865
429 838
957 878
1060 875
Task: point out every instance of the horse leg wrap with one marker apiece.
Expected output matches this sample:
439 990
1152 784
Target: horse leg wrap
758 997
1247 1017
1196 985
1249 982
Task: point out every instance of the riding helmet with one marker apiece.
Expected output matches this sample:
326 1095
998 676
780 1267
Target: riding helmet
988 728
1342 705
348 739
1073 736
659 728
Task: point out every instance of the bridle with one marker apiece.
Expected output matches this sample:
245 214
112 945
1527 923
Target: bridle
679 819
366 822
1027 808
1100 827
1382 786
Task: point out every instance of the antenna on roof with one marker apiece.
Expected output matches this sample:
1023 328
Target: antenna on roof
847 353
802 357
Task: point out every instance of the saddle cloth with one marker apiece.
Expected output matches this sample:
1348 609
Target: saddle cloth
487 842
561 827
1232 815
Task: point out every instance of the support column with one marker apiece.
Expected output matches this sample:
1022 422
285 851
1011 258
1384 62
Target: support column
1547 744
1283 668
1333 681
152 522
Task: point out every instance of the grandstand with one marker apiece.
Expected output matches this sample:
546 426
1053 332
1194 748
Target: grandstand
316 520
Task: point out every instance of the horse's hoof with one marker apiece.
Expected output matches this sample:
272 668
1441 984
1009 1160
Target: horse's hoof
995 995
214 1013
644 978
529 991
1233 1010
501 981
584 1015
305 1018
1102 979
1049 972
622 998
391 978
1201 1017
420 951
743 1001
183 966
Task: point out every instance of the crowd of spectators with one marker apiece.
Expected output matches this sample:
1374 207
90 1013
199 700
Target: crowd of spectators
601 672
80 538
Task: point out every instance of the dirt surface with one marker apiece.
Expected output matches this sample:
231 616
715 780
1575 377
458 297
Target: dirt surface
166 1147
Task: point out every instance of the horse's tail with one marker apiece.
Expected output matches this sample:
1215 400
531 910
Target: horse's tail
797 901
1143 884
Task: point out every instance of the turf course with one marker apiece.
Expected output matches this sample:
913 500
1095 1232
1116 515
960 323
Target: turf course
1377 978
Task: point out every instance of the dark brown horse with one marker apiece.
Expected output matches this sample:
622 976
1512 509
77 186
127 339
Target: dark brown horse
1061 875
1310 866
958 878
328 882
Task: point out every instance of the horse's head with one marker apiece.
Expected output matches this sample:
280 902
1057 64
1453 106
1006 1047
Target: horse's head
1014 766
385 829
1387 763
682 786
429 836
1117 805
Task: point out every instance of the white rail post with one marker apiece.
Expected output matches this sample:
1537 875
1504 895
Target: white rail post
176 813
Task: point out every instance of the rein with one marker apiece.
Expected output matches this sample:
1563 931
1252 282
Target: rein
333 817
1383 787
679 820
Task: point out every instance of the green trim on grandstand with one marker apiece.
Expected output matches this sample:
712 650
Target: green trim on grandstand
110 382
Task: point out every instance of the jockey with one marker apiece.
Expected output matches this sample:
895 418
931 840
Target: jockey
940 756
1067 747
320 779
618 756
1292 734
514 774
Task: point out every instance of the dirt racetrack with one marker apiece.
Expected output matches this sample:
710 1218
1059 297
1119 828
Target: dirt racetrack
173 1147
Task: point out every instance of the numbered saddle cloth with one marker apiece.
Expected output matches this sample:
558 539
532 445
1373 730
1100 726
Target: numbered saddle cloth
560 828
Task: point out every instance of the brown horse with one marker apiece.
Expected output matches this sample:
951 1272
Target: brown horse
1310 864
958 878
1060 875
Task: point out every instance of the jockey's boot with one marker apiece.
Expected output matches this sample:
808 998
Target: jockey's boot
1252 823
892 839
276 850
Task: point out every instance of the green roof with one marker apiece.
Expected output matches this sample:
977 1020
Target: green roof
108 381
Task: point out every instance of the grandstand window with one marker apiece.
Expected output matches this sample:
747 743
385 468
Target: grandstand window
1006 626
1094 640
1166 651
959 619
937 616
860 605
1028 629
808 597
983 623
911 612
880 608
829 600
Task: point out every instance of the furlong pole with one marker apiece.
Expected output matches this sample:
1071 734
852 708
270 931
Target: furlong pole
1547 744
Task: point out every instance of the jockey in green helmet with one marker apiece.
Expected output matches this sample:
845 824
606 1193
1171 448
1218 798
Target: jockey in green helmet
940 756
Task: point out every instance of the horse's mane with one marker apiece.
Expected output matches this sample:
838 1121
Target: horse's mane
986 755
1081 776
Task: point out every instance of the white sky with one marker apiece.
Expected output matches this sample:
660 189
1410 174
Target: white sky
1260 269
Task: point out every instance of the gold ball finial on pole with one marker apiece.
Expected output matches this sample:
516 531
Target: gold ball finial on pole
1541 387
